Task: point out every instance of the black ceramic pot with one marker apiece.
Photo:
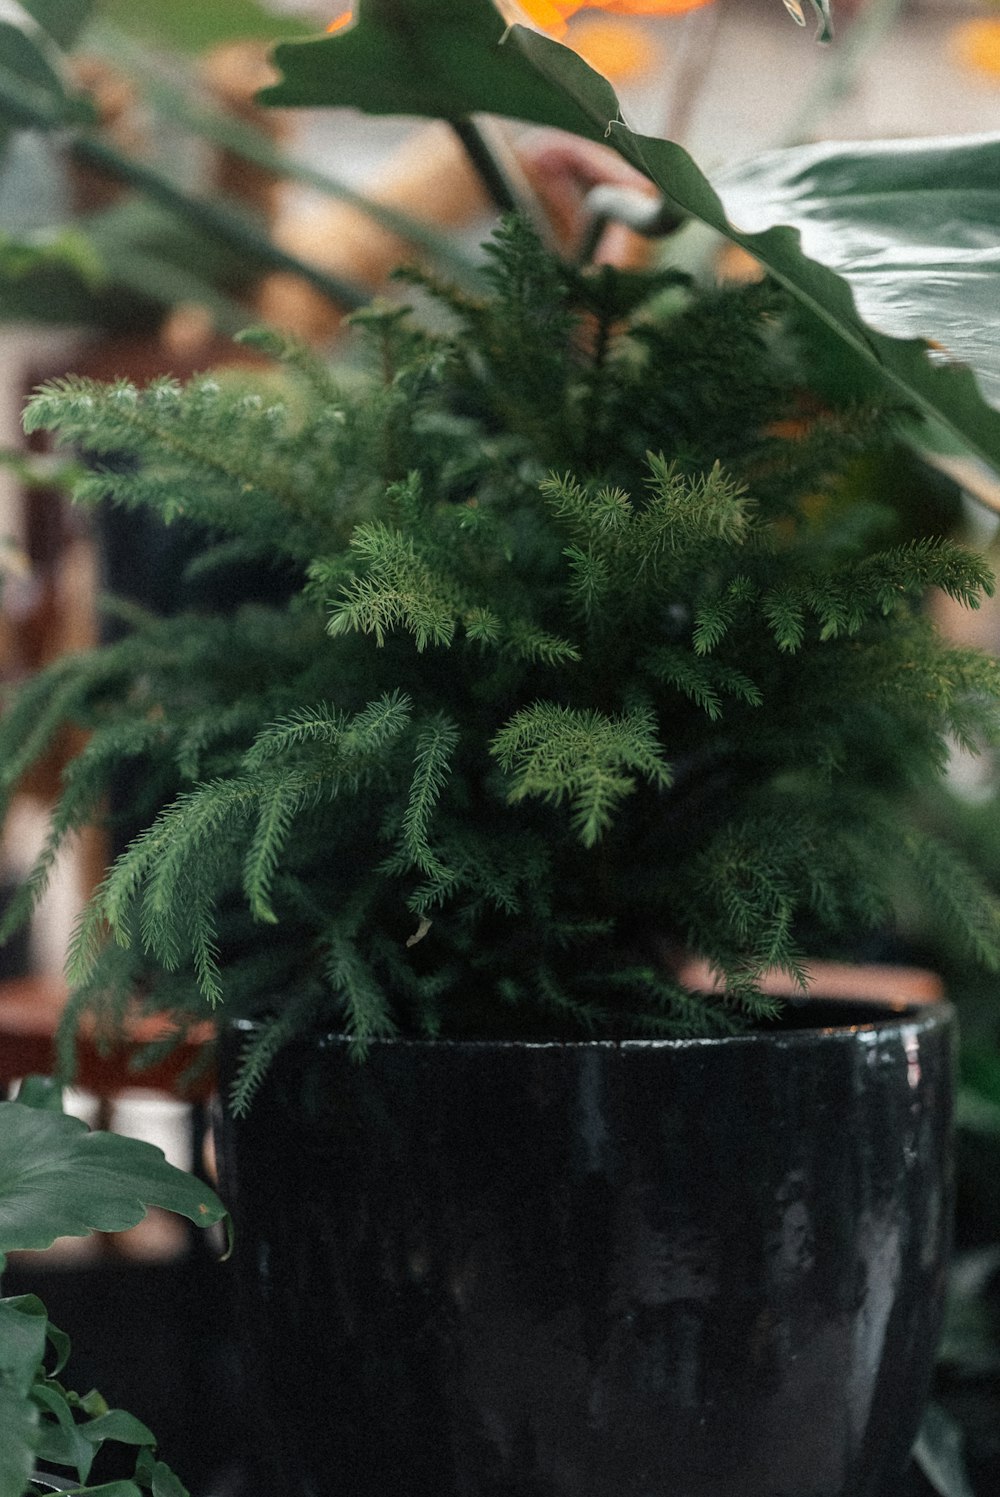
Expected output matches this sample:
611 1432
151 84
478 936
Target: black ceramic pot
708 1268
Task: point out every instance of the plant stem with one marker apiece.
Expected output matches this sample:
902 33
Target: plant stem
500 173
488 168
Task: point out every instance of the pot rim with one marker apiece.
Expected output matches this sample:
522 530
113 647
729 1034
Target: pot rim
886 1016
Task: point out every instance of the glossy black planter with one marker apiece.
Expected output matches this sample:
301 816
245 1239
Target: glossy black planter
666 1269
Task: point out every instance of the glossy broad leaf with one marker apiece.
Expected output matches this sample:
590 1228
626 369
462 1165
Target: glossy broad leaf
423 57
58 1179
912 225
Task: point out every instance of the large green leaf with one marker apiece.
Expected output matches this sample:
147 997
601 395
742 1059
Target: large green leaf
429 57
22 1350
57 1179
18 1426
433 57
22 1341
912 225
41 1420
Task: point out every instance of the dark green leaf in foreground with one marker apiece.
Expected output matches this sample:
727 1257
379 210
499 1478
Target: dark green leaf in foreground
41 1421
433 57
427 57
18 1426
57 1179
22 1348
23 1325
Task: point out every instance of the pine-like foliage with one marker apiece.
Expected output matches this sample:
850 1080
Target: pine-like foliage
589 652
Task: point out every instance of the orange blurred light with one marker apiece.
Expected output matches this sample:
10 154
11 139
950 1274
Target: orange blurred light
621 50
976 46
552 15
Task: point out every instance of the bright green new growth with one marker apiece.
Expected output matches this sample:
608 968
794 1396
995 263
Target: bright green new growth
557 754
586 651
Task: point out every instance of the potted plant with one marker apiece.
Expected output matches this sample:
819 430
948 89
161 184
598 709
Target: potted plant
596 649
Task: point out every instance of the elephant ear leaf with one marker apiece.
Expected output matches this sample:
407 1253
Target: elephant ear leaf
57 1179
913 226
22 1350
446 61
416 57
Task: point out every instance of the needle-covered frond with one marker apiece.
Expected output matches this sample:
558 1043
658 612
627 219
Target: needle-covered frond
590 635
586 758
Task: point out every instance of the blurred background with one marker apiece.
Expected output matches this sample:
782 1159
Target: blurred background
206 214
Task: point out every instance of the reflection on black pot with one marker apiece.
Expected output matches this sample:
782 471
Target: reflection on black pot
667 1269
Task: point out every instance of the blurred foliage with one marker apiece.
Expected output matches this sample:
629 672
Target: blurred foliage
193 28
